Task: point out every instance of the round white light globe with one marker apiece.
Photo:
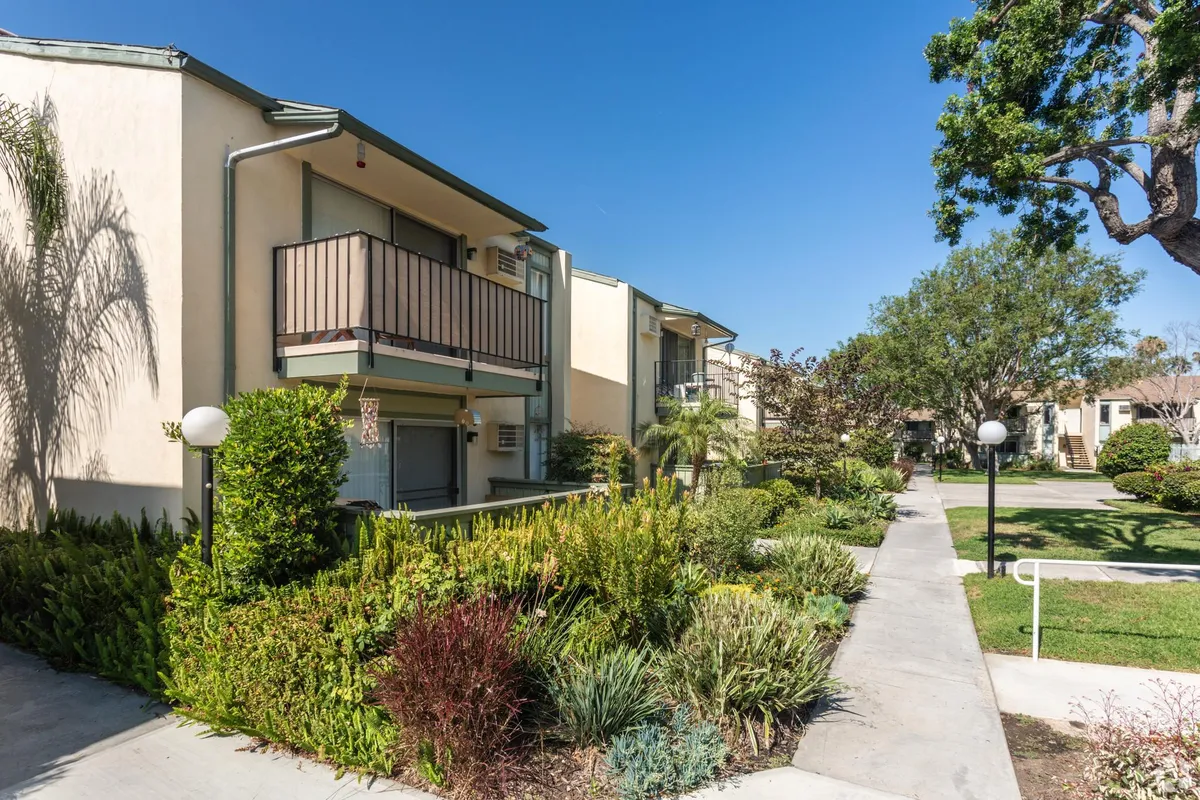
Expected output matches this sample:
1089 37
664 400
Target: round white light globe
941 440
205 426
845 437
992 432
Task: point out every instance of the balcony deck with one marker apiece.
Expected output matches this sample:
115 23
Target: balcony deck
356 304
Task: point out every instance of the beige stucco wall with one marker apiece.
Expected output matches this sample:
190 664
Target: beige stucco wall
122 125
600 354
739 363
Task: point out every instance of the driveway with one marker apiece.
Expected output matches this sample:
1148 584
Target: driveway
65 735
1043 494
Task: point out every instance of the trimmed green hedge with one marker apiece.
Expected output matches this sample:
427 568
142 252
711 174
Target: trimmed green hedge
1141 484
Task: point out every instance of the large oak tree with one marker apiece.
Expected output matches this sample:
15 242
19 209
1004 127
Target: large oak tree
1000 322
1063 100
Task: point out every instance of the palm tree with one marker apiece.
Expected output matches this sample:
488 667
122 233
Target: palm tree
75 313
692 431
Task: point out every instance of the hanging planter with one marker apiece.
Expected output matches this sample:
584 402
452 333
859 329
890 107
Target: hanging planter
369 407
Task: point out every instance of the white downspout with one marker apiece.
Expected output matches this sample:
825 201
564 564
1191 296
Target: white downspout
232 159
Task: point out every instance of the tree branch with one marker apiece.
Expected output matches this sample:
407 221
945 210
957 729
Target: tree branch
1130 168
1082 186
1077 151
1104 180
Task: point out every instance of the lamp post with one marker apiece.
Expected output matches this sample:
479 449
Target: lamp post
941 441
205 427
991 433
845 440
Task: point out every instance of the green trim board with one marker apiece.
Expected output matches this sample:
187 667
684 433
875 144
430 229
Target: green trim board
355 362
132 55
279 112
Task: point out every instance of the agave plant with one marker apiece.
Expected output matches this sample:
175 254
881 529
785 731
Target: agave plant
891 479
838 516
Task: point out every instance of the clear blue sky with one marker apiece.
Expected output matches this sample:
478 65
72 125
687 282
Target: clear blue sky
765 163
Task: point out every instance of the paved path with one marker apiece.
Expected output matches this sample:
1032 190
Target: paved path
919 718
1080 572
1049 688
76 737
1043 494
789 783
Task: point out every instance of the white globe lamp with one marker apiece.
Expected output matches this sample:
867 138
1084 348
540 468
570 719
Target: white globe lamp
992 432
205 427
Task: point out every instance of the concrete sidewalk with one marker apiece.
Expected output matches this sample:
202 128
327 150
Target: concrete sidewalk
1089 495
1048 689
76 737
1081 572
919 718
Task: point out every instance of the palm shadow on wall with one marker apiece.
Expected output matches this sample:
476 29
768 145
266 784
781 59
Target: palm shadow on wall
76 323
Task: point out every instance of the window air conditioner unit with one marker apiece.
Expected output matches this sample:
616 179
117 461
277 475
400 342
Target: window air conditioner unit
504 266
505 437
651 325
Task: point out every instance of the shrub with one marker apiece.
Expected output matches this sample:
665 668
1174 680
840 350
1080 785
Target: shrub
863 482
818 564
906 467
669 759
278 473
582 455
868 534
726 525
872 446
88 594
878 506
891 479
914 451
784 496
453 683
1180 491
828 612
1139 484
1133 448
746 658
598 698
626 552
1135 754
1041 465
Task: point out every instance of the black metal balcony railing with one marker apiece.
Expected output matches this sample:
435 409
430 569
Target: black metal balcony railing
917 435
686 380
358 286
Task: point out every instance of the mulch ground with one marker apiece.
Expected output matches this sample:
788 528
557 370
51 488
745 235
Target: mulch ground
1048 763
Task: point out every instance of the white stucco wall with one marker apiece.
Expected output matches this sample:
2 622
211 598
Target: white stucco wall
121 125
600 354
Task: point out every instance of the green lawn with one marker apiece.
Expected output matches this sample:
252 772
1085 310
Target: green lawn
1133 532
1127 624
1018 476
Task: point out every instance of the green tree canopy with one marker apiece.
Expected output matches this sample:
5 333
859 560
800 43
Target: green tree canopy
998 322
1066 98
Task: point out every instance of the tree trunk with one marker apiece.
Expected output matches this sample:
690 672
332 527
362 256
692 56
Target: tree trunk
697 468
1185 247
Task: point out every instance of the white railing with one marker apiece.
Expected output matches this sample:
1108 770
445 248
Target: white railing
1036 583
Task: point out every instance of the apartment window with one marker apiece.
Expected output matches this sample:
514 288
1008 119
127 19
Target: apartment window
1105 413
1047 414
368 469
421 238
336 209
539 448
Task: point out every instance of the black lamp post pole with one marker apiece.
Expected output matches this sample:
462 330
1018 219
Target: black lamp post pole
991 530
206 505
941 458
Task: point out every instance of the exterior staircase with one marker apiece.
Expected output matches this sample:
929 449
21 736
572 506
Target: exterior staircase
1077 453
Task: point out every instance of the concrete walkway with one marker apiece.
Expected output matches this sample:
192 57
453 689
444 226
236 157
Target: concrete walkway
1049 689
919 718
1080 572
1089 495
76 737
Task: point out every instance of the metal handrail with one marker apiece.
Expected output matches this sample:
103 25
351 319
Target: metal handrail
1036 583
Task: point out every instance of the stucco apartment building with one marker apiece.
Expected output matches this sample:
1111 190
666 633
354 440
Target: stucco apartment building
1072 433
629 350
277 242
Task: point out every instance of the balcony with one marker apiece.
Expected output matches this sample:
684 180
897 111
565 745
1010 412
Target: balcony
687 380
356 304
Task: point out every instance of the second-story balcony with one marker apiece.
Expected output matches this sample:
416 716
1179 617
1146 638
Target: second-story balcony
687 380
357 304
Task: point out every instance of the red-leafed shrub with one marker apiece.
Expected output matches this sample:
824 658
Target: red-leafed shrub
454 684
906 467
